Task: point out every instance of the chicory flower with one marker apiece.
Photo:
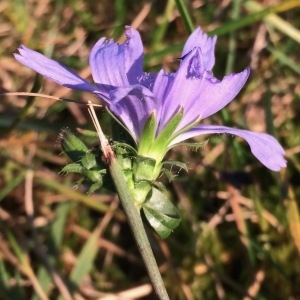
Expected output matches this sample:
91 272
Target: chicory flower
161 109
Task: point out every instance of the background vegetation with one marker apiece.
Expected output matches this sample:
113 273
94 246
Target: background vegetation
240 233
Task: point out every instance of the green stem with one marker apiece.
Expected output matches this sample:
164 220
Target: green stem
131 210
137 228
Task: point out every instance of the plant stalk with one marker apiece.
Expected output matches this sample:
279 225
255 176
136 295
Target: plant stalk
138 229
133 215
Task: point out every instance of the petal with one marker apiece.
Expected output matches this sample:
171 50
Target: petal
209 95
207 45
115 65
217 94
161 88
198 92
147 80
265 147
132 105
162 85
52 70
178 90
134 56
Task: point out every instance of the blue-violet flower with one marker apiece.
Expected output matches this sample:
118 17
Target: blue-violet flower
160 109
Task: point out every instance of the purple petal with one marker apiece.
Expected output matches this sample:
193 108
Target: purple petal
115 65
198 92
161 88
134 55
162 85
265 147
147 80
207 45
53 70
132 105
209 95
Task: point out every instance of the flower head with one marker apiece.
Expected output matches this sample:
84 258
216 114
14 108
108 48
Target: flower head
160 109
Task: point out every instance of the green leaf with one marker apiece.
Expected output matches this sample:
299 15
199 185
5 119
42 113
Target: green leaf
94 187
94 176
140 192
72 146
73 168
89 161
161 214
123 148
124 155
169 173
143 168
88 133
160 186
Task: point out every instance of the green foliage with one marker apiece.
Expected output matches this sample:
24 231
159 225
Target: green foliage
161 214
85 162
138 171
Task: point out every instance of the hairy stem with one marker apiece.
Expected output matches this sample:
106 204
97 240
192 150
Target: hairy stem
138 229
131 210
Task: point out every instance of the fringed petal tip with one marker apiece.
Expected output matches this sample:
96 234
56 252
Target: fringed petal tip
117 65
199 39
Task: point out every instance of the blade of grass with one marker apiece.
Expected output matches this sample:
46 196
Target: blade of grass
120 14
58 226
45 281
11 185
229 27
160 31
255 17
232 38
268 111
25 266
4 281
284 59
293 218
86 258
88 254
275 21
186 17
76 196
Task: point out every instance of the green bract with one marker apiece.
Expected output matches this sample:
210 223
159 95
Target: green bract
156 147
140 172
161 214
85 162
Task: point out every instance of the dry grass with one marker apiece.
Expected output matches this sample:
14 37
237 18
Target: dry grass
239 238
